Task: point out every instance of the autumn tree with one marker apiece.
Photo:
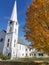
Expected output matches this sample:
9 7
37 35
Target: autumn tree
37 25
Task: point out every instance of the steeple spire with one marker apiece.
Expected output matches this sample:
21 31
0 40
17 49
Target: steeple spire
14 13
12 28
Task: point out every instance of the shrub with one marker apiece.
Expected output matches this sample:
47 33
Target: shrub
1 55
6 57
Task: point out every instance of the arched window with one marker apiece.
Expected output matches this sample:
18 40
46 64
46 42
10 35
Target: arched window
8 40
10 30
26 54
14 44
11 22
7 44
1 39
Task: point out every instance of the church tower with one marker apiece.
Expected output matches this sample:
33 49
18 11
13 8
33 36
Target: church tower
11 38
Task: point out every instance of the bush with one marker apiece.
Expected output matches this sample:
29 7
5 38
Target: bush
6 57
1 55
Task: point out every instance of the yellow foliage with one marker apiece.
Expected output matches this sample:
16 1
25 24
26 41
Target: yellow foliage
37 25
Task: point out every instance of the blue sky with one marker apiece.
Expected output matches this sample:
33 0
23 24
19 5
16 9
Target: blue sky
6 9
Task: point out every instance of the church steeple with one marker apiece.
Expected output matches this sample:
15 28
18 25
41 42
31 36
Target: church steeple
11 38
13 19
14 13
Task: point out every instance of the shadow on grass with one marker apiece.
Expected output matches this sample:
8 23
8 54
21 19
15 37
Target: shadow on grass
21 63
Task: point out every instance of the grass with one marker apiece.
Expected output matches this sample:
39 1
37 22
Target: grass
26 61
22 63
18 63
32 60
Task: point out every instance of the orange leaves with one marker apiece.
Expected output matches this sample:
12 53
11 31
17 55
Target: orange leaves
37 22
34 5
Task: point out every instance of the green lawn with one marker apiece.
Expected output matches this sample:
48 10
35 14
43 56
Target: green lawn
22 63
26 61
32 59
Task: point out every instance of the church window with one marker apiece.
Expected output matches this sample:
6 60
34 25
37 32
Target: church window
14 42
40 54
34 54
14 45
10 22
7 44
30 49
30 54
10 29
1 39
8 40
26 49
26 54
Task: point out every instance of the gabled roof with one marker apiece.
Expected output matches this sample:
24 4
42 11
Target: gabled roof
3 31
20 41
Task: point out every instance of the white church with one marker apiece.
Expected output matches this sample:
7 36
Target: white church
11 44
